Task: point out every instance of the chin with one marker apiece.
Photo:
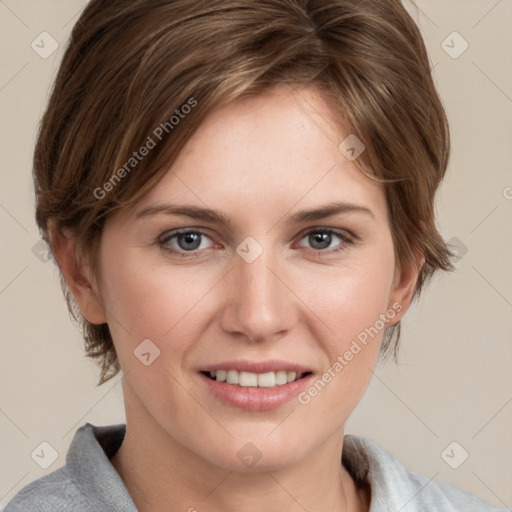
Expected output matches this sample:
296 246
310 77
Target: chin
246 456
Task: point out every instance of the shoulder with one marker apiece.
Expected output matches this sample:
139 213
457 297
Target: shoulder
86 483
393 486
55 492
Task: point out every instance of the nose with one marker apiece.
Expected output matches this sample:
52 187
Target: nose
260 303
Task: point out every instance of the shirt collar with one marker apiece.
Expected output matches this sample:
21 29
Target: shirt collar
88 459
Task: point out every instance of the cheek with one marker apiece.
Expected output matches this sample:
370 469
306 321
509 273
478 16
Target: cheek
351 298
357 303
155 302
353 306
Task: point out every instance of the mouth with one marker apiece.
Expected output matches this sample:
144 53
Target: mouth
255 385
247 379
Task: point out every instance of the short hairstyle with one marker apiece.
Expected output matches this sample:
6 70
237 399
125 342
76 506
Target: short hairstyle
146 73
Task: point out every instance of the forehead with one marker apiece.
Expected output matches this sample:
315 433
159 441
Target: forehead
267 153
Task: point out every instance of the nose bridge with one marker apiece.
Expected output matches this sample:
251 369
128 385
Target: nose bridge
260 304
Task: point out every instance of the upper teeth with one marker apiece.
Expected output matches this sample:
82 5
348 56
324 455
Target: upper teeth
249 379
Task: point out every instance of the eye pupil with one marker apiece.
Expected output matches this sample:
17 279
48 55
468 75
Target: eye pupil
192 238
321 238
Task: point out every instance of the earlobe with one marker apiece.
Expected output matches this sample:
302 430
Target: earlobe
77 275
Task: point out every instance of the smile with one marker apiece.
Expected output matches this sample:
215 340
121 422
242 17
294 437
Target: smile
250 379
255 385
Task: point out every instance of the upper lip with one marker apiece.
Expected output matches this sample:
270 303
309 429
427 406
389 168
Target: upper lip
244 365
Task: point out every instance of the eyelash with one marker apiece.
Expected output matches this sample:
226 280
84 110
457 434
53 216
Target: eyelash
164 242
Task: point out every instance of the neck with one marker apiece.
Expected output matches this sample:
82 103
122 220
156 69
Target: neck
161 475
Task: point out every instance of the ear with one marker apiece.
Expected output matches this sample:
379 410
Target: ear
404 284
77 275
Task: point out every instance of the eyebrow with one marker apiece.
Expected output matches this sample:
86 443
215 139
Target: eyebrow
209 215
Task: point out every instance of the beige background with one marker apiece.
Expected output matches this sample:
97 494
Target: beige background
453 382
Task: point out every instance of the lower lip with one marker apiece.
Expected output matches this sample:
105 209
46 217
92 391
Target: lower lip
253 398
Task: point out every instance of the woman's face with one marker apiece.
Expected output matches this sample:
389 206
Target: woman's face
268 290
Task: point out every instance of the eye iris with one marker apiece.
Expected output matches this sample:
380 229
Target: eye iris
193 238
322 238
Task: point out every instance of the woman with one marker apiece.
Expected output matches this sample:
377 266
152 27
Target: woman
239 196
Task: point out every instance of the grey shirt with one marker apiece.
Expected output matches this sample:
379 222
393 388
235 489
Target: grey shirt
89 482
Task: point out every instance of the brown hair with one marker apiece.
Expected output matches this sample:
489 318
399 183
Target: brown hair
130 68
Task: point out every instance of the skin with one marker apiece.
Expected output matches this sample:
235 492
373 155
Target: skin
259 160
